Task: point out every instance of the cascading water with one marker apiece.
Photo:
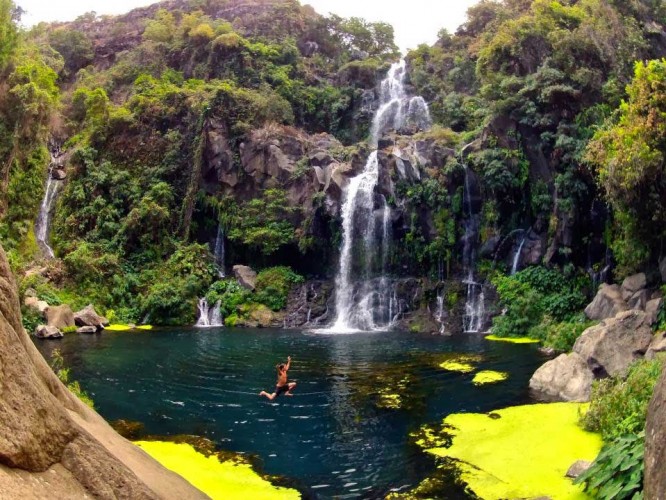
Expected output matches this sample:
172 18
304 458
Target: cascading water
43 222
473 318
219 251
209 317
517 255
370 301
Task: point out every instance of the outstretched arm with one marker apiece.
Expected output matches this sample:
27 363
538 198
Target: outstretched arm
288 363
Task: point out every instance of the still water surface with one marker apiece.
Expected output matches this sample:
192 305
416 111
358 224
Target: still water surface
333 437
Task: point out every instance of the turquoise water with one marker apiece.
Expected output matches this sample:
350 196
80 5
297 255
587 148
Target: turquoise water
332 438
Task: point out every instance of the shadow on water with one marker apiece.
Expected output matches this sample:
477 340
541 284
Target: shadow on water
346 431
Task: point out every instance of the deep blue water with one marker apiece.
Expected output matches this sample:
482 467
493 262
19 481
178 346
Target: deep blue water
330 437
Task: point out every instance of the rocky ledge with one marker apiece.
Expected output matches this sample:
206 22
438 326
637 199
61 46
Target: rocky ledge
51 444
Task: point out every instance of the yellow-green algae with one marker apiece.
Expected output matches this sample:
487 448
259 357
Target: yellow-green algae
219 480
513 340
524 453
489 377
463 363
124 328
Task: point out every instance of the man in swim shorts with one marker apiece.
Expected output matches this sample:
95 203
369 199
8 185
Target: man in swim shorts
283 386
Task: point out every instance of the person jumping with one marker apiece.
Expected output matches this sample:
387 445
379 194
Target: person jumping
282 385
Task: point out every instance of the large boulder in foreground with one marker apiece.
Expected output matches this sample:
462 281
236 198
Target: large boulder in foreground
612 345
655 444
89 317
51 444
59 316
246 276
565 378
607 303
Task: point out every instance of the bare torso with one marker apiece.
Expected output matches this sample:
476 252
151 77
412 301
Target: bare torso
282 378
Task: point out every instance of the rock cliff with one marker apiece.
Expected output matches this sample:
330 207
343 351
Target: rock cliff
51 444
655 444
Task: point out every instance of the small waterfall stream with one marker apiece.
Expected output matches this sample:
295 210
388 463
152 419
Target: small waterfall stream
218 251
517 255
52 188
474 315
209 317
365 299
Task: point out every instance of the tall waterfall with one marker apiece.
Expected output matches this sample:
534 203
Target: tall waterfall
364 296
218 251
473 318
43 222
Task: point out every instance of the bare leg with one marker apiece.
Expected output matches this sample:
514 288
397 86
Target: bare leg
291 387
270 397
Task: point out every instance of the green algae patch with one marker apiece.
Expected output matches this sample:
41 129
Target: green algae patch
462 363
218 479
144 327
513 340
118 328
522 452
489 377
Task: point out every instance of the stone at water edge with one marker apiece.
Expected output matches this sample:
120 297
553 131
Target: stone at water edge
246 276
89 317
48 332
606 303
59 316
614 344
86 329
655 444
565 378
577 468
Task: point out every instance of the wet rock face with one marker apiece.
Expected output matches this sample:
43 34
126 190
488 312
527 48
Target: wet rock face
655 444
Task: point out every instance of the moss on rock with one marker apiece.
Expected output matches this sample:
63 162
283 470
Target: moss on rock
513 340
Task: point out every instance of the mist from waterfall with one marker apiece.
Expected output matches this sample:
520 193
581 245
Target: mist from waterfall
365 297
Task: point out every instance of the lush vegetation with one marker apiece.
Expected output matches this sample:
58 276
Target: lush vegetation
618 411
541 303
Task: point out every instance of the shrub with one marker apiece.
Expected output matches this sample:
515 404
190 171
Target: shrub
617 472
230 295
58 366
561 336
273 286
618 406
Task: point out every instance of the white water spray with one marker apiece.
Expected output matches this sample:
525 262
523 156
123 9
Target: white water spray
516 257
209 317
43 222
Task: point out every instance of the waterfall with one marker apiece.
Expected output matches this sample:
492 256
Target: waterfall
364 297
473 317
439 314
43 222
219 250
516 257
209 317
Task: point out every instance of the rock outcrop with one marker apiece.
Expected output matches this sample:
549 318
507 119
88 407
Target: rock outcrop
565 378
612 345
51 444
246 276
607 303
655 444
89 317
59 316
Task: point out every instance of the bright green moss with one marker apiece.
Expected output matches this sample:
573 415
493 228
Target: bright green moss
522 451
118 328
513 340
219 480
489 377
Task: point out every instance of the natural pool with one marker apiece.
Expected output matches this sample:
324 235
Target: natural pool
344 434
